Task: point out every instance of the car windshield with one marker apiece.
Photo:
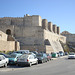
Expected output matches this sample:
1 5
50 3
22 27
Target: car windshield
72 54
19 52
23 56
13 56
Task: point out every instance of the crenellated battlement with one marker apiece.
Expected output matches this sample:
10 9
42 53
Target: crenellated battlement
27 20
33 32
12 17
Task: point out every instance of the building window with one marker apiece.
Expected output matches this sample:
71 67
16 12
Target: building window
8 31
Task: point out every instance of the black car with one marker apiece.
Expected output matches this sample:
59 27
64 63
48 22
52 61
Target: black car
42 57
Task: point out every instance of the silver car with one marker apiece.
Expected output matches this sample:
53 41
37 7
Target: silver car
27 59
3 61
71 56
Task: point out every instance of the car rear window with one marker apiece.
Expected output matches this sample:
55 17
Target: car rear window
23 56
12 56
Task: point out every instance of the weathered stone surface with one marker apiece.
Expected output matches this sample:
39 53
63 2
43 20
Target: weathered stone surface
8 44
50 26
58 30
70 37
33 33
45 24
54 28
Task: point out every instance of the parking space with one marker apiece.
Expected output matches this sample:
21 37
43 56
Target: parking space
13 67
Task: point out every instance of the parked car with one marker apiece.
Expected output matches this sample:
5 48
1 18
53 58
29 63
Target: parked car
54 55
35 52
13 58
6 55
3 61
61 53
42 57
49 57
10 52
66 53
58 54
27 59
71 56
22 51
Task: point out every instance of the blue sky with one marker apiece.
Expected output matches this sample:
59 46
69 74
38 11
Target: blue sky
59 12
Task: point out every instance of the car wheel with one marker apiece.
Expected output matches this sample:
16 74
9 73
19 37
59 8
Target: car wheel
5 65
36 62
17 65
50 59
30 65
42 61
46 60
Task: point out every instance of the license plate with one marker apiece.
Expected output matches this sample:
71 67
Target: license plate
22 60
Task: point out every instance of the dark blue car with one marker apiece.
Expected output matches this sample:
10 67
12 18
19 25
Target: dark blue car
42 57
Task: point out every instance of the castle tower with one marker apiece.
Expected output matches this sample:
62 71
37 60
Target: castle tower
54 28
34 20
58 30
45 24
50 26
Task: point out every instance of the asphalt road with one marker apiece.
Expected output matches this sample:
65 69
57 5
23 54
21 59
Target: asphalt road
60 66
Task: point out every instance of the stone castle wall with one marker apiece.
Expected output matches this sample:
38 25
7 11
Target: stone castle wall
6 45
33 20
11 21
54 40
33 32
29 35
3 36
70 37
